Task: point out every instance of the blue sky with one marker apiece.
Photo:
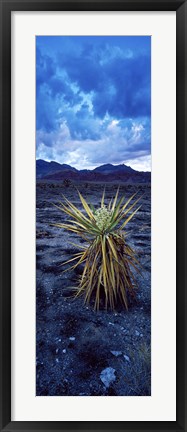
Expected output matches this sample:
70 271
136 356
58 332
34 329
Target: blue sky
93 100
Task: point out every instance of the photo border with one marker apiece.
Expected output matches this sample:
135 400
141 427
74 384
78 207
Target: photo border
6 8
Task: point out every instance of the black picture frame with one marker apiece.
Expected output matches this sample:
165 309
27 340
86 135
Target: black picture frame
6 7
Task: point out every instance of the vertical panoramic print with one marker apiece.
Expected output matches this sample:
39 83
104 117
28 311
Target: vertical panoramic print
93 216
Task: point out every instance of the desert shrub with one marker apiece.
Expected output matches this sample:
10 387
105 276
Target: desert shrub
67 182
109 261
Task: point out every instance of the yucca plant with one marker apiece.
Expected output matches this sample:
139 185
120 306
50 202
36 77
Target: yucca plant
109 261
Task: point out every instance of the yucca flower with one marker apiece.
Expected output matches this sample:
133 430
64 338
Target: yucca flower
109 261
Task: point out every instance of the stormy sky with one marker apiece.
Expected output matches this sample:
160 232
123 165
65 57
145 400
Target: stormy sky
93 100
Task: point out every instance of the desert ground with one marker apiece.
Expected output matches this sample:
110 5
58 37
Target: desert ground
80 351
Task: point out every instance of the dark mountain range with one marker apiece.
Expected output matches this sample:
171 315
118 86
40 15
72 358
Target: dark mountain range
110 169
44 168
104 173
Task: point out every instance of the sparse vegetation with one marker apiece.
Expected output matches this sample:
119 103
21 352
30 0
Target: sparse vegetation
73 368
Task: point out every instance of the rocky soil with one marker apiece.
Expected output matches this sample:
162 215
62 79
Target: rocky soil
81 352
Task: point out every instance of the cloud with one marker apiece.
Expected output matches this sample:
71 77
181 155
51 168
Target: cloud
93 100
112 146
120 83
53 91
141 163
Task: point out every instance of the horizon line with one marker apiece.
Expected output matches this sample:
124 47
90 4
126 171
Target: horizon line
91 169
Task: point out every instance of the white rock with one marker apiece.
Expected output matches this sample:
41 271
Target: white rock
64 351
116 353
71 338
107 376
137 333
127 358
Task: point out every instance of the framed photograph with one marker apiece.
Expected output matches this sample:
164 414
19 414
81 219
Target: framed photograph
93 232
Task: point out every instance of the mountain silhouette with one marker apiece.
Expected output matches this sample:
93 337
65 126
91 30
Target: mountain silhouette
109 168
107 172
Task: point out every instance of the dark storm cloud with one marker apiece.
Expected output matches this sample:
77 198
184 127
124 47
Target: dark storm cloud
52 91
121 86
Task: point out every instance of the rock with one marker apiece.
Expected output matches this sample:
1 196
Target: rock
107 376
71 338
137 333
126 358
64 351
116 353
